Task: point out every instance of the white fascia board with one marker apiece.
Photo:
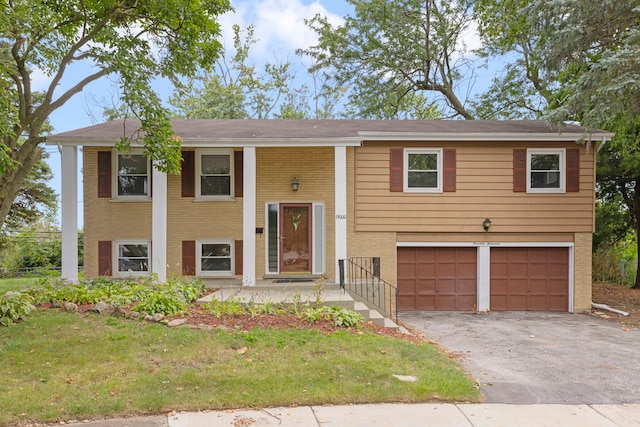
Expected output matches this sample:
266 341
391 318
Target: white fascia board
273 142
482 244
225 142
484 136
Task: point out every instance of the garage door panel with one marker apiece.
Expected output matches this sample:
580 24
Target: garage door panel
425 270
448 270
466 287
406 300
559 270
538 271
536 279
499 287
558 303
425 302
445 278
428 286
516 303
467 271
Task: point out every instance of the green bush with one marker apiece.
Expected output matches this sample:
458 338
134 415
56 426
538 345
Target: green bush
167 298
229 307
163 302
14 306
339 316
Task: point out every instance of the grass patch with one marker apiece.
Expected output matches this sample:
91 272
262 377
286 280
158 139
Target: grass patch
59 366
15 284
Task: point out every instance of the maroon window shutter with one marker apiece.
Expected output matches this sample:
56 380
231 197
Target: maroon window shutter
238 257
449 172
188 173
104 258
188 257
104 173
519 170
396 173
238 171
573 169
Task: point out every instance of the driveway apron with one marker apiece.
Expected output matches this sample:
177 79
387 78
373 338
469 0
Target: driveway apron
531 358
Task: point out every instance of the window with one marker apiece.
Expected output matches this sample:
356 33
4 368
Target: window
132 258
423 170
545 171
132 175
215 258
215 171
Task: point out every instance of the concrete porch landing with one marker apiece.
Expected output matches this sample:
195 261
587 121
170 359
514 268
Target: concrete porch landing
287 293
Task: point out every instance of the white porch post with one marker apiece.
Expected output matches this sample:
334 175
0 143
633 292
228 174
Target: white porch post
340 176
484 277
69 195
249 217
159 225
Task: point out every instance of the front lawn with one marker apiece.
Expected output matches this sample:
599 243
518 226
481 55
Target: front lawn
60 366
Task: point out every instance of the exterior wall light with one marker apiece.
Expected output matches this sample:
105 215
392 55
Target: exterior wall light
486 224
295 185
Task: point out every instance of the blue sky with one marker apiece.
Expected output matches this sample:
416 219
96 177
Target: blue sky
279 28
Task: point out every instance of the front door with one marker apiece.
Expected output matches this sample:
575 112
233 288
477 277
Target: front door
295 238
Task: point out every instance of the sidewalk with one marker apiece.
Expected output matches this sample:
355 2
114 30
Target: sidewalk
400 415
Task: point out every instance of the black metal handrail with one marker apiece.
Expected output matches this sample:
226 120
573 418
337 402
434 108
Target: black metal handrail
363 279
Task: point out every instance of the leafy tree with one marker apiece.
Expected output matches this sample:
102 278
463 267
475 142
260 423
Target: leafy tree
39 247
236 89
135 41
398 54
599 44
510 32
35 201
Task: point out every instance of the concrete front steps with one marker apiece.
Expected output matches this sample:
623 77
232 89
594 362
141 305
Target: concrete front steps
300 292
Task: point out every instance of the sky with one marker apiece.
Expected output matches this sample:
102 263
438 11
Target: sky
279 29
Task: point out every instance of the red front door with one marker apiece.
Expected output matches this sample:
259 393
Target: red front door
295 238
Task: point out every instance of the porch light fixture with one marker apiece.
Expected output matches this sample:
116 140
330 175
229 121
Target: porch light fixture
486 224
295 185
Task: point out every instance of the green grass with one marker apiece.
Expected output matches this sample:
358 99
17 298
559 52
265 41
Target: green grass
15 284
58 366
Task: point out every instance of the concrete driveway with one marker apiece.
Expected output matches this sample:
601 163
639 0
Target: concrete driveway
528 358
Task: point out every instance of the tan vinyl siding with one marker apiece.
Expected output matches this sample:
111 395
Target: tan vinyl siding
484 190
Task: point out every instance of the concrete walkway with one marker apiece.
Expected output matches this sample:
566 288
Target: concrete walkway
401 415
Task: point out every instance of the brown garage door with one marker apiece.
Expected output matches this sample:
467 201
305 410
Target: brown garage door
535 279
437 279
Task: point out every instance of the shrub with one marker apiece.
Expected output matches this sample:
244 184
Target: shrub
163 302
229 307
14 306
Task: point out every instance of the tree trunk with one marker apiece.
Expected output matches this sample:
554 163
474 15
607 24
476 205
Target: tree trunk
636 215
12 179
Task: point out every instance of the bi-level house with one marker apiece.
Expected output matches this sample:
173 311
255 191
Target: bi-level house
463 215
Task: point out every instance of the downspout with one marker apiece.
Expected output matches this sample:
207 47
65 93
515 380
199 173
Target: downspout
602 144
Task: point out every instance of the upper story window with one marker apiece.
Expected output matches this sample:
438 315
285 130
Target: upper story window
132 175
215 173
132 258
423 170
546 170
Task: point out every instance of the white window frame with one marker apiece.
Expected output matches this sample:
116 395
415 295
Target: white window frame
561 153
405 169
115 181
116 257
198 174
203 273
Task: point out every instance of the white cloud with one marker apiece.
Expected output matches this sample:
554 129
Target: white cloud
279 25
